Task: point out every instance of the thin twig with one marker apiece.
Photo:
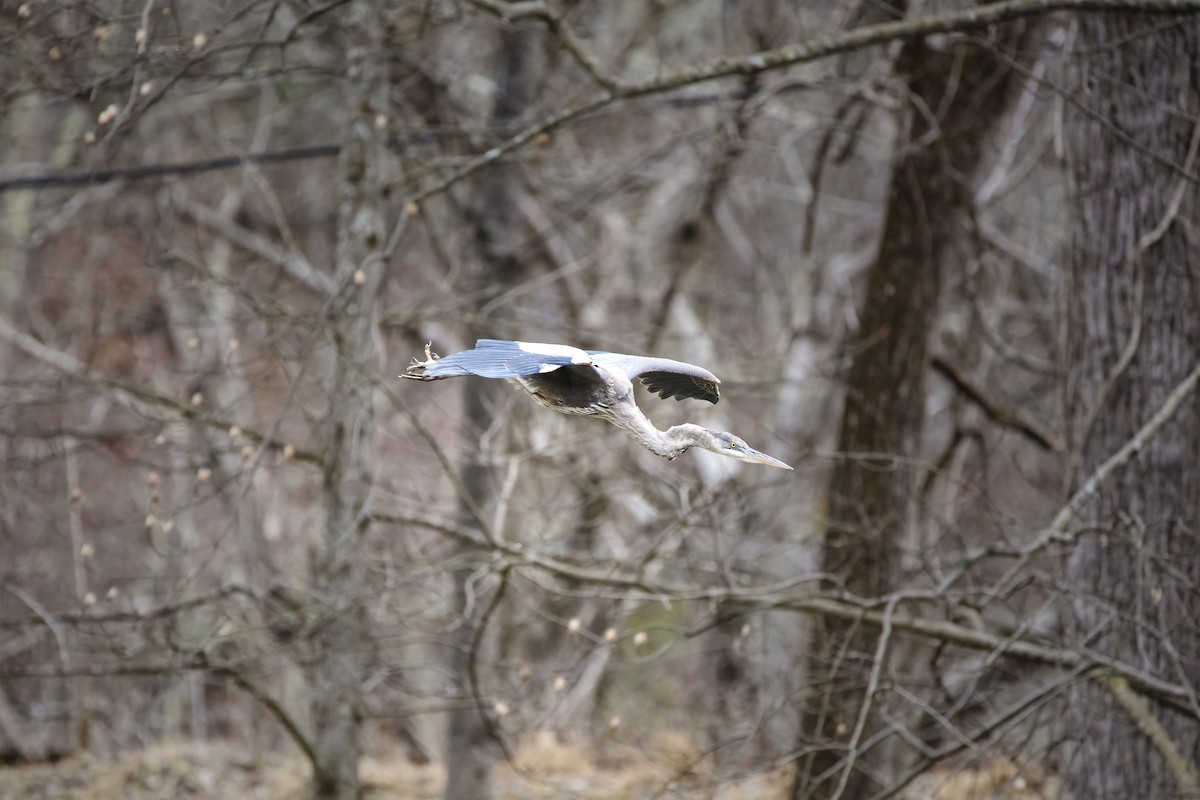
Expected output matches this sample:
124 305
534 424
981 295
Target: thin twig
864 711
992 730
60 638
489 724
277 710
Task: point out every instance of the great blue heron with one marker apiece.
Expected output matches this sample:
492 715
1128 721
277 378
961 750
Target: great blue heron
593 383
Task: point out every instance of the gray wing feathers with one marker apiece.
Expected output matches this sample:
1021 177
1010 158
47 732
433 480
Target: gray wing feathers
491 358
499 358
663 376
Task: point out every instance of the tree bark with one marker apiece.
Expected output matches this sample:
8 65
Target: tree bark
497 229
1133 333
872 488
347 446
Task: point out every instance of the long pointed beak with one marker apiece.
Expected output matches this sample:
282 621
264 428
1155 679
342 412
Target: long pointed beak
755 457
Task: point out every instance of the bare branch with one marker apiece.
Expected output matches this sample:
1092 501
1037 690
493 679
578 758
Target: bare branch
293 264
1148 724
142 401
64 652
991 729
1058 526
157 612
864 711
277 710
970 19
994 411
490 725
781 595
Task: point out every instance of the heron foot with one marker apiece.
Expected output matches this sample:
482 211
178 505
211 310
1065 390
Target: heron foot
417 367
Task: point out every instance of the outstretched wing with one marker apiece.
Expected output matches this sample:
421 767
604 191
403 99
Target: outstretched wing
500 358
663 376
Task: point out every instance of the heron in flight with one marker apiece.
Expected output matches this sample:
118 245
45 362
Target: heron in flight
592 383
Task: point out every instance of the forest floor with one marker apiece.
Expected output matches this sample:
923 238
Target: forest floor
544 770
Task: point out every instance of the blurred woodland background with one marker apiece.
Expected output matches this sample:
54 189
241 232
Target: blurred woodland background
944 259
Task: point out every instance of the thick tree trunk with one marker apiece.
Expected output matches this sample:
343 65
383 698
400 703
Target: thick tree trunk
347 447
872 488
1133 333
469 750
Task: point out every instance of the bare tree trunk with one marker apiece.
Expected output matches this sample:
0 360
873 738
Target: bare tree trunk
872 489
469 749
1133 332
347 448
497 234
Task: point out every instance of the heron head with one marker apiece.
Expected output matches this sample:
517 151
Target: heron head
729 445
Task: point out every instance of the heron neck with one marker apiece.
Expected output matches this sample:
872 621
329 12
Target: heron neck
670 443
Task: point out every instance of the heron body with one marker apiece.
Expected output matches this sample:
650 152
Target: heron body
597 384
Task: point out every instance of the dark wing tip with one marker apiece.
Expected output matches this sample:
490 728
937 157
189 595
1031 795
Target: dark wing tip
681 387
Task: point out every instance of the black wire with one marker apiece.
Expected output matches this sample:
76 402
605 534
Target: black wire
84 178
63 179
